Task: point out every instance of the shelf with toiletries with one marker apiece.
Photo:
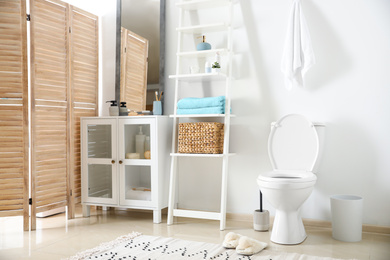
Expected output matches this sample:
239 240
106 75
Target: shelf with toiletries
204 28
124 162
203 54
202 115
202 4
201 155
197 77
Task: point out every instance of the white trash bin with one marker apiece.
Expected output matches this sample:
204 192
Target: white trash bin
347 217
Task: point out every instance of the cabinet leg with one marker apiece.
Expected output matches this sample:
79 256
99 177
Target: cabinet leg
86 211
157 216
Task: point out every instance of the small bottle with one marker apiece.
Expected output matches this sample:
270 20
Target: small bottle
207 67
147 147
140 143
147 143
218 57
123 109
113 109
203 46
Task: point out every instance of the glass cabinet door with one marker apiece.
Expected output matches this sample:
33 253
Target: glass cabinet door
99 161
136 164
137 141
137 185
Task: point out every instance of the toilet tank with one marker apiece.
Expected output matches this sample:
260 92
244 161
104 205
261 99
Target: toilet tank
281 162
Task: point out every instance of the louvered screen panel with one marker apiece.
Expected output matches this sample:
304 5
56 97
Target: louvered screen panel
49 118
13 110
135 69
84 78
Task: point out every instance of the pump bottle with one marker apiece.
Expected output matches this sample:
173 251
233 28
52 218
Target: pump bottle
113 109
123 109
140 143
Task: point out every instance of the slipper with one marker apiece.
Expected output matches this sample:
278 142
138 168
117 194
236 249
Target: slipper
231 240
249 246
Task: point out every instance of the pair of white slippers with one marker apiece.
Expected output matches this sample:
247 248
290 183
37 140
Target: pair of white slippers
244 245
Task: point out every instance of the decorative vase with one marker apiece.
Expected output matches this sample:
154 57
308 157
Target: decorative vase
203 46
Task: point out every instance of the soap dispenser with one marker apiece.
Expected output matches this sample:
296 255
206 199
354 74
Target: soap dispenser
123 109
203 46
113 109
140 143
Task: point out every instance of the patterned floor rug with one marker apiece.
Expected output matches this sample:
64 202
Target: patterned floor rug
136 246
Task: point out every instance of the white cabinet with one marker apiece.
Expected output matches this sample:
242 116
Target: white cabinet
114 173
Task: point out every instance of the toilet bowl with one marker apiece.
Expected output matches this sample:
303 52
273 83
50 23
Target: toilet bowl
294 148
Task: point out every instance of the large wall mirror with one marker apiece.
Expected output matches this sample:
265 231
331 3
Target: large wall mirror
140 52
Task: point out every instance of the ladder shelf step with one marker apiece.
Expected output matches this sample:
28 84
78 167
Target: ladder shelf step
199 77
201 155
201 115
202 4
203 28
199 54
196 214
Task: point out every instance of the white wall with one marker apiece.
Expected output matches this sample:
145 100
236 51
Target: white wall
106 11
348 89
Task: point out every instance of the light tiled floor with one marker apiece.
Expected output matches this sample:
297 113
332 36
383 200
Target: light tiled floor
56 238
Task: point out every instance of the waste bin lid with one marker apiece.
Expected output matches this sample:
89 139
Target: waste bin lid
346 197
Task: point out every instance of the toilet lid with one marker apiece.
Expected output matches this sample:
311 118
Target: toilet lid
293 144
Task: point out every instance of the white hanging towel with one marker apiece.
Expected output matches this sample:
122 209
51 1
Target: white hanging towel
298 55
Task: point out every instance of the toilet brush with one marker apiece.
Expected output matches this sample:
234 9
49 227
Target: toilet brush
261 201
261 217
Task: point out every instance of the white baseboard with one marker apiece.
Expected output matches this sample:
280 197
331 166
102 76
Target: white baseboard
310 223
306 222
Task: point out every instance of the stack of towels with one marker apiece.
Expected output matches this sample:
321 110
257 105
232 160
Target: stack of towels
207 105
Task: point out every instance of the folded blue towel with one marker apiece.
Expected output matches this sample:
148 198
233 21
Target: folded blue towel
204 110
192 102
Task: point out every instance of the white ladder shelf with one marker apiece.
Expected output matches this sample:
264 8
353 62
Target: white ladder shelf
194 5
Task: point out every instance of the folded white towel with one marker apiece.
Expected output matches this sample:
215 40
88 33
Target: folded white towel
249 246
298 55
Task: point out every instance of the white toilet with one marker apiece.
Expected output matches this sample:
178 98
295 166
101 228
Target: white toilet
293 147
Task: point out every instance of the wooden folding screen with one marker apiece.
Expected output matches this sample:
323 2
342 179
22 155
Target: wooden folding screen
134 69
64 84
84 48
13 110
49 106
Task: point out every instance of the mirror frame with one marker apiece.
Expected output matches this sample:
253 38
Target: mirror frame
118 50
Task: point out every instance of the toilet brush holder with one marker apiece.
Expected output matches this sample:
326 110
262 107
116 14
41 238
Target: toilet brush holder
261 220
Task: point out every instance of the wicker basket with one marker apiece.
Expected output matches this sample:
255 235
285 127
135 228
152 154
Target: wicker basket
203 137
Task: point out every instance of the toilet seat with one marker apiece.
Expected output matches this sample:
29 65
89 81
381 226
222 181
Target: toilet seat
286 180
287 176
293 144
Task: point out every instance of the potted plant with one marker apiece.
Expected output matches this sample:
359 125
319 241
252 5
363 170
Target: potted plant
216 67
